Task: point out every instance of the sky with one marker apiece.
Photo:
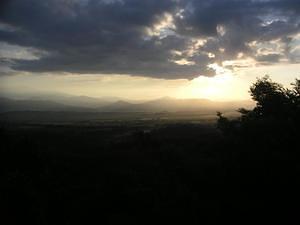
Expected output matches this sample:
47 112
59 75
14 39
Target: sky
145 49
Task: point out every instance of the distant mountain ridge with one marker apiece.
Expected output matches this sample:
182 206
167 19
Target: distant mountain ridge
176 105
9 105
88 104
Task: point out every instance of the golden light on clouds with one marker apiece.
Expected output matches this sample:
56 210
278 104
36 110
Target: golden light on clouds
227 85
220 87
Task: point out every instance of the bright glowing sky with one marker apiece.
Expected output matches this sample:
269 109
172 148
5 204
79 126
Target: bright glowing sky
147 49
221 87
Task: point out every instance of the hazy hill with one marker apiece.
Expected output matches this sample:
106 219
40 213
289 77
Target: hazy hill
62 98
7 105
87 104
118 106
78 101
176 105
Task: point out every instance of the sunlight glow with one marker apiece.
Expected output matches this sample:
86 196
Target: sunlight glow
224 86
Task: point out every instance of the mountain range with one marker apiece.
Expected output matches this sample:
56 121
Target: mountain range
90 104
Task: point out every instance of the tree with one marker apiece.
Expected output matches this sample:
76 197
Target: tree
274 119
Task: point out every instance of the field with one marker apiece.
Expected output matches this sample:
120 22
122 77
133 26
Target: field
62 168
96 118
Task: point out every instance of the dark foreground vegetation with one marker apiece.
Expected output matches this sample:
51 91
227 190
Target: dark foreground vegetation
242 171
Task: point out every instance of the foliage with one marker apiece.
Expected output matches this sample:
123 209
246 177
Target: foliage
274 119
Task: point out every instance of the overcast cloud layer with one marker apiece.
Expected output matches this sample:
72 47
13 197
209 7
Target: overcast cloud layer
167 39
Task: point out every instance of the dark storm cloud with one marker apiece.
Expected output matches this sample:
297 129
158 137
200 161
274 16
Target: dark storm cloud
202 17
114 36
268 58
242 21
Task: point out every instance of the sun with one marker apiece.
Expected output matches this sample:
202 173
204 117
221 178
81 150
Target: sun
222 87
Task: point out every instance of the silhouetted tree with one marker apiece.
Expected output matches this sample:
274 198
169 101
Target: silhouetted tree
275 118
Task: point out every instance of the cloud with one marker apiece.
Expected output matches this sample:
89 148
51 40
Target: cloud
269 58
146 38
